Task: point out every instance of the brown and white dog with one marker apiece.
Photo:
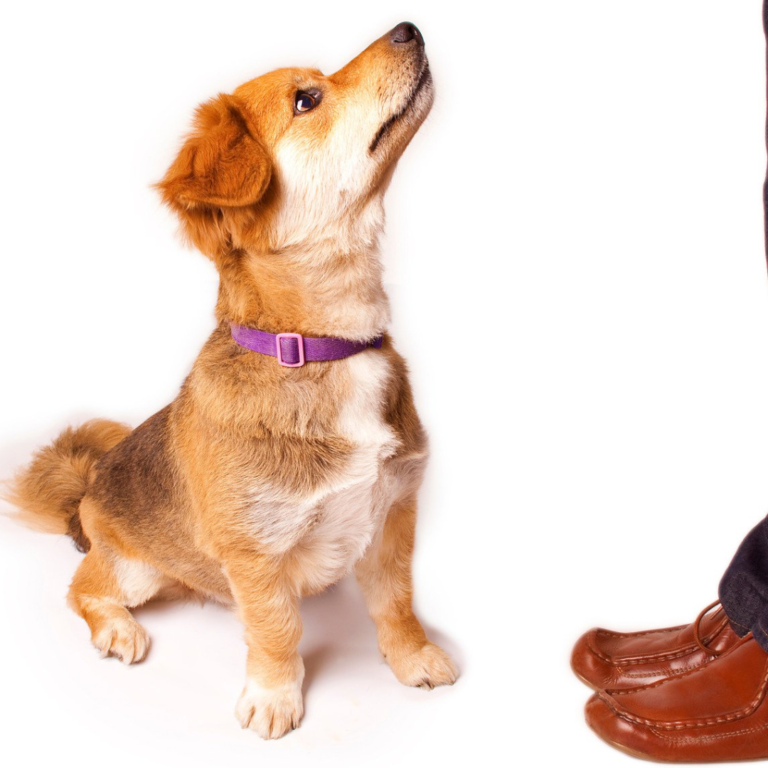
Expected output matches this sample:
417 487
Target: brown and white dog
261 483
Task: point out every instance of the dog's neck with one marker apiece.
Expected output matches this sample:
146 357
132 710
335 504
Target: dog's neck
315 291
319 276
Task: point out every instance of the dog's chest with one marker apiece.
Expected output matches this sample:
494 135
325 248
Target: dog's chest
326 532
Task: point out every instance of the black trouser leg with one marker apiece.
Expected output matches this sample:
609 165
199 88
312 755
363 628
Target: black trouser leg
744 586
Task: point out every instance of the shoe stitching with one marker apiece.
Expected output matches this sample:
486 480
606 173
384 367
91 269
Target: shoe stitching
666 673
642 660
709 737
609 633
619 661
692 671
640 634
679 726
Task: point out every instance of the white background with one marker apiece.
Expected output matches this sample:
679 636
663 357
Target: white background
575 258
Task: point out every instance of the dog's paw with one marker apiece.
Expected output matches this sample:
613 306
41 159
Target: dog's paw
428 667
271 712
124 638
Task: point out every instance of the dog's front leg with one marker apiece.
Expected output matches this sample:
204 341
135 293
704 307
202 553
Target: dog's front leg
271 702
385 577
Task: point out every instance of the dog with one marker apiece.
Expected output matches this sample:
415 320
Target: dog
293 452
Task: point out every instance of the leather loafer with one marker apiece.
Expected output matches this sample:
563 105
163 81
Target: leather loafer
618 660
717 712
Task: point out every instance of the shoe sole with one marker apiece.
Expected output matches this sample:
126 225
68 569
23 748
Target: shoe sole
632 752
643 756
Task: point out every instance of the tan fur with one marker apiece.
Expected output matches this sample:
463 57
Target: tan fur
260 484
48 492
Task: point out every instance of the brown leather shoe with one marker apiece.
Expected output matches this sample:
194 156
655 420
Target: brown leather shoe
715 713
616 660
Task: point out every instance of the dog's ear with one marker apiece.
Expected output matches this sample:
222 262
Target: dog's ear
222 163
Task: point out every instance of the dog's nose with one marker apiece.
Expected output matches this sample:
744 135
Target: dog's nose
405 32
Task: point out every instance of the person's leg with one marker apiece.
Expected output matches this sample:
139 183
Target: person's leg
744 587
716 709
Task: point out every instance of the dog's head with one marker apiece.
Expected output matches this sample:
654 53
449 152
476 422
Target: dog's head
296 157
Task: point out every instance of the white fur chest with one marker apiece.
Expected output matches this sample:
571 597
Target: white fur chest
326 533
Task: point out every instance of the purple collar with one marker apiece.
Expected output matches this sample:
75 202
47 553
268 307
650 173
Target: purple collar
293 350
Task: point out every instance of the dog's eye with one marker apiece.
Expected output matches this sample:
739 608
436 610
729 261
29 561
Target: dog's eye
305 100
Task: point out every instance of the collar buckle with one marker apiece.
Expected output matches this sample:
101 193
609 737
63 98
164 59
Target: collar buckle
299 343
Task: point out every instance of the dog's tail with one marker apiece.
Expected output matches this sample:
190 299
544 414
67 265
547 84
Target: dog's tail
48 492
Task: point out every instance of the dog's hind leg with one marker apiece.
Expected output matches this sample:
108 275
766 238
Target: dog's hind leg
105 585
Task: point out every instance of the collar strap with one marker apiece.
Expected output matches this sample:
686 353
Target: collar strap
292 350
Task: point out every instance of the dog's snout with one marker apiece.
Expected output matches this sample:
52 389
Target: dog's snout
404 33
